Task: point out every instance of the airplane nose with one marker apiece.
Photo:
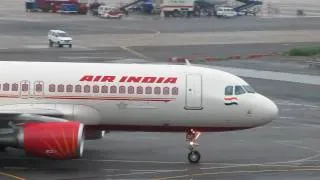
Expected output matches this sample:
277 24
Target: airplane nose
269 110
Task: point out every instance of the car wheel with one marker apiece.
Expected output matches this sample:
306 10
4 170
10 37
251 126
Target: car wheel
59 45
70 45
50 43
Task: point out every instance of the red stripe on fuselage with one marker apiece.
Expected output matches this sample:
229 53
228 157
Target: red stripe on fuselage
110 98
230 98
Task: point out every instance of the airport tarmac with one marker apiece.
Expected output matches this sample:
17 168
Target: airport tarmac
287 148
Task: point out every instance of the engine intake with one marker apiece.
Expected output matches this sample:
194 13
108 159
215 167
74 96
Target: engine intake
57 140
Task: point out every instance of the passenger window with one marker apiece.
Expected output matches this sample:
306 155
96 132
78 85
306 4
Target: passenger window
38 87
122 89
157 90
78 88
113 89
69 88
86 89
228 91
148 90
130 89
52 88
139 90
15 87
175 91
166 90
95 89
25 87
6 87
104 89
239 90
60 88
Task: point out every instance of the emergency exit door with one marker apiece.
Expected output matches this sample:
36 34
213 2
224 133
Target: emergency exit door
193 92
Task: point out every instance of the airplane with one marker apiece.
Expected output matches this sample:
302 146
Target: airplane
49 109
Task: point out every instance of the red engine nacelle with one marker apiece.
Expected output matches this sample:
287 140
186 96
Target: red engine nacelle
57 140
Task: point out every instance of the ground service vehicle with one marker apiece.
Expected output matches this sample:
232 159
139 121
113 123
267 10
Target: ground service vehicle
177 8
60 38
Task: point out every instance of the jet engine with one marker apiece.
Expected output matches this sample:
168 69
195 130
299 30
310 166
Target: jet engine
56 140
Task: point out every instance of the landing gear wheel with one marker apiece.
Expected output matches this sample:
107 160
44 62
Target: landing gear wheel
192 136
194 157
3 148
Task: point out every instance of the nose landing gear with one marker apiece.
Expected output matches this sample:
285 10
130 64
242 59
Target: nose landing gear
191 137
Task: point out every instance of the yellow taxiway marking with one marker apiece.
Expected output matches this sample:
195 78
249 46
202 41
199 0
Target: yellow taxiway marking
306 168
11 176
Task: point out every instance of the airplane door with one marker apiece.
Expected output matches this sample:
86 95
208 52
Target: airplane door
193 92
24 89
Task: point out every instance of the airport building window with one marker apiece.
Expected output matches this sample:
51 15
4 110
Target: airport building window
148 90
122 89
130 89
6 87
60 88
86 89
38 87
228 91
140 90
69 88
175 91
113 89
239 90
104 89
157 90
52 88
95 89
166 90
78 88
15 87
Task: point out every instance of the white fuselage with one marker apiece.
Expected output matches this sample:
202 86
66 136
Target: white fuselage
144 97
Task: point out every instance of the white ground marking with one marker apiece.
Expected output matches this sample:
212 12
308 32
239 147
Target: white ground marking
91 57
134 52
287 117
129 174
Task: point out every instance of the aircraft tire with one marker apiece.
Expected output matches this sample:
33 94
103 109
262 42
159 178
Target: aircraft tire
194 157
3 148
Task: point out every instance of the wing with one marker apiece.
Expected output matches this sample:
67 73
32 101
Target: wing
30 112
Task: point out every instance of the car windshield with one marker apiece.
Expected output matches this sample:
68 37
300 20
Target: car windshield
249 89
62 34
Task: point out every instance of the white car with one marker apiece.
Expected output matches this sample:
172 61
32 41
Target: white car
59 38
226 12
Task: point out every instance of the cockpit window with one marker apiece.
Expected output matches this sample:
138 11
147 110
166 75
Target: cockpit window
228 91
239 90
249 89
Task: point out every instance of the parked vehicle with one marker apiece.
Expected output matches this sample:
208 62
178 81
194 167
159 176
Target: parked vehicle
78 6
60 38
109 12
225 12
177 8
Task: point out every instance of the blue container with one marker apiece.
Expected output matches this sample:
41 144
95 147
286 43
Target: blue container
68 8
